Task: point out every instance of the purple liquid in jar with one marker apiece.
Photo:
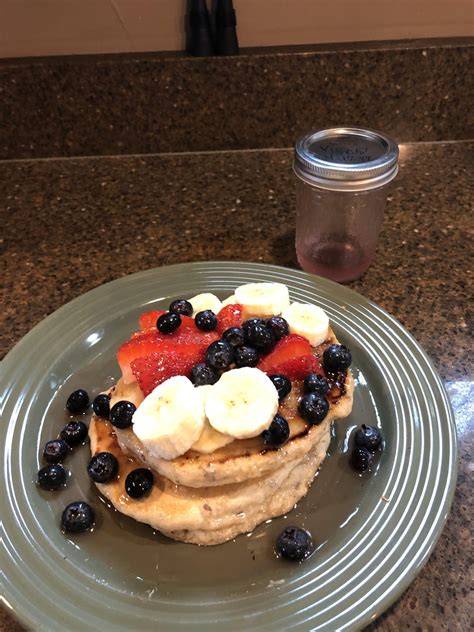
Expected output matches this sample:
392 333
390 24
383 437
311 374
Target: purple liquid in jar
339 261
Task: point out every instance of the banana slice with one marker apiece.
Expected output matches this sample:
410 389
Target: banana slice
210 440
230 300
171 418
262 299
308 321
242 403
200 302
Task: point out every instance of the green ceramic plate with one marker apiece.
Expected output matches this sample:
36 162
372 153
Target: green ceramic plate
373 532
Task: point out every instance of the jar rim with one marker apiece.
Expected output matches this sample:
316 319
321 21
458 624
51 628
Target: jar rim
346 158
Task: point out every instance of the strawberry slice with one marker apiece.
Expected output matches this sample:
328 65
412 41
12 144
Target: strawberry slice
159 366
187 322
148 320
187 340
288 348
229 316
296 368
140 345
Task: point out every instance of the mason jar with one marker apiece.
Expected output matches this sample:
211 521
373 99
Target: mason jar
343 175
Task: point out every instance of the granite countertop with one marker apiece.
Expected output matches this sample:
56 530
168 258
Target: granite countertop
72 224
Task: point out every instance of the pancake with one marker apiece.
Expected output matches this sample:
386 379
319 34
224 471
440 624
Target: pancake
210 498
244 459
241 459
209 515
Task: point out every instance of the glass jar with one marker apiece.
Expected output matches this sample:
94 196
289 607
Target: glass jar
343 174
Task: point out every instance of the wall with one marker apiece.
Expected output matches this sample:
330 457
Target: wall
55 27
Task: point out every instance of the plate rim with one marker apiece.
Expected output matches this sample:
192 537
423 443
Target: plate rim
16 608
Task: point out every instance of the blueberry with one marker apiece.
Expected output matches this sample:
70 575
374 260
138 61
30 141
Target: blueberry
52 476
278 326
368 437
74 433
103 467
55 451
282 385
248 324
77 517
266 341
336 358
294 544
313 407
139 482
260 337
219 354
246 356
234 336
206 320
169 322
78 401
122 413
361 459
314 383
101 406
181 306
202 374
277 433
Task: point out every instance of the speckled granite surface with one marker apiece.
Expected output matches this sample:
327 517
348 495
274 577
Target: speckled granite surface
115 104
70 225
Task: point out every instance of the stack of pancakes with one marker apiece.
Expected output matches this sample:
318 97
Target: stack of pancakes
211 498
